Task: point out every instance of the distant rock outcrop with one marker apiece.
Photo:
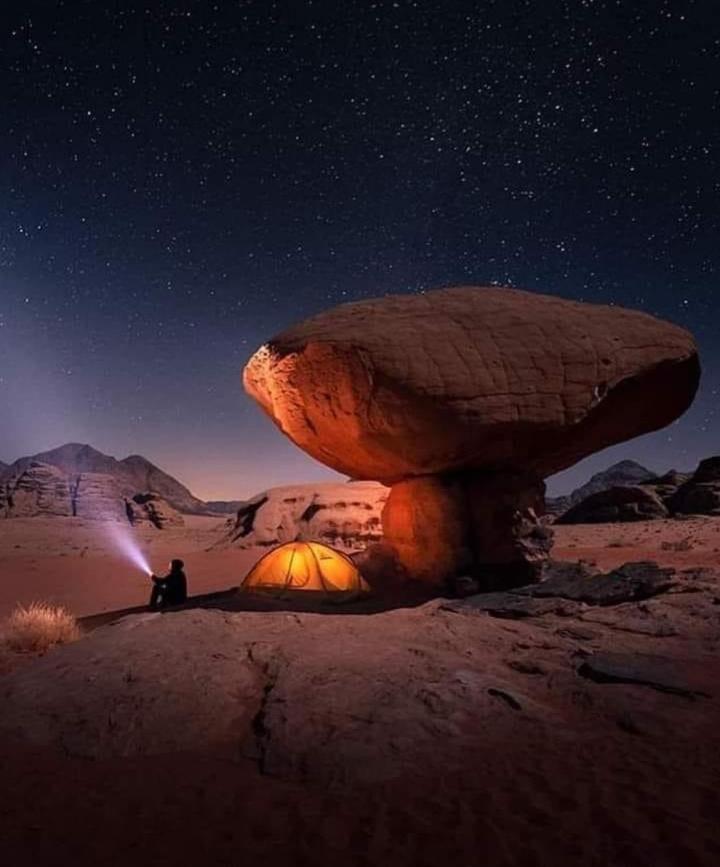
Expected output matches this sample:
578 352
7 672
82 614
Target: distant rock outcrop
152 509
41 490
458 395
621 504
665 496
224 507
700 494
38 489
620 474
97 496
666 485
345 515
132 475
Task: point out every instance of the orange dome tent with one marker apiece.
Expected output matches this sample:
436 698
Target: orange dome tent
306 566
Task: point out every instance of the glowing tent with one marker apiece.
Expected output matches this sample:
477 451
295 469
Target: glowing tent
306 566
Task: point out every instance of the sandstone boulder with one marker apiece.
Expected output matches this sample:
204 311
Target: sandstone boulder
344 515
621 504
471 377
473 385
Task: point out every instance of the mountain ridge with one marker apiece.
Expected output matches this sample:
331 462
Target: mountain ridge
133 473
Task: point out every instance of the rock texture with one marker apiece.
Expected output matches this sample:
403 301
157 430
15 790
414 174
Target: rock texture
97 496
131 475
471 384
41 489
38 490
699 495
620 504
342 515
657 672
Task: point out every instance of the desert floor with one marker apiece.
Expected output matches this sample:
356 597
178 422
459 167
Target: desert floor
77 563
417 736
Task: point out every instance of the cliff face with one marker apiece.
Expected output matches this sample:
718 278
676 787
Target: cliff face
133 475
40 489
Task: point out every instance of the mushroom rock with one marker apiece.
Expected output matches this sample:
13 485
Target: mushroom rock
464 400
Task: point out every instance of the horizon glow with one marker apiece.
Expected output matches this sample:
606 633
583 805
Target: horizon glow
125 543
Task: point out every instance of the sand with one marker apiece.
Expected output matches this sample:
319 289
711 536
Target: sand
75 563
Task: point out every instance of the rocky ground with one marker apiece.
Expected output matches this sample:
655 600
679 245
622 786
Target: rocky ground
525 730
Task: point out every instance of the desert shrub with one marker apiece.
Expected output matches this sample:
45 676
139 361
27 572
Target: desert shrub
40 626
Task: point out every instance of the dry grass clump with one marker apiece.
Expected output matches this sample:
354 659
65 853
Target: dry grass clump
39 626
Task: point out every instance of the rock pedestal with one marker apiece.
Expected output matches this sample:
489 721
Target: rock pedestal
462 399
477 524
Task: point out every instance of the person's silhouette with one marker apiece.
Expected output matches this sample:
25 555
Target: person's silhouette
171 589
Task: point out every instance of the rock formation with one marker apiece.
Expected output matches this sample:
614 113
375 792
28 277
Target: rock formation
466 399
665 486
621 474
152 509
345 515
41 490
700 494
131 475
620 504
98 497
654 499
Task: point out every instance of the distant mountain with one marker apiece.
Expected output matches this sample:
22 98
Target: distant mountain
132 474
224 507
3 467
618 475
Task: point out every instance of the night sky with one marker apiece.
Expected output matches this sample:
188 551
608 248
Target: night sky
182 180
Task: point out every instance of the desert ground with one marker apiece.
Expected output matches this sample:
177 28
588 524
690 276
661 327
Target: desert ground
76 564
428 735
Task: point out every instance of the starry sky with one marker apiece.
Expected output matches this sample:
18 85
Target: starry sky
179 181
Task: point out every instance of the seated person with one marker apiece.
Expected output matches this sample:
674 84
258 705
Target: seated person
171 589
